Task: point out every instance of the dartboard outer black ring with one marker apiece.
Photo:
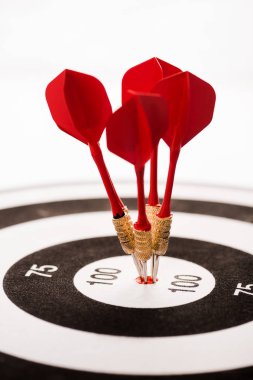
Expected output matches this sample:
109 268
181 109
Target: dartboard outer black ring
14 368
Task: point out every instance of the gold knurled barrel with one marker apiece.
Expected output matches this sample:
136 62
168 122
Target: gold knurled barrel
143 244
160 234
151 212
124 230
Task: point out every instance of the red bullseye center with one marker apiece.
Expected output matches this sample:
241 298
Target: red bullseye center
140 280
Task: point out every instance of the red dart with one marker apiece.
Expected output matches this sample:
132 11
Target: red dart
191 104
80 107
132 133
143 77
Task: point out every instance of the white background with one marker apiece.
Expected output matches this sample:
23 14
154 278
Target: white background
38 39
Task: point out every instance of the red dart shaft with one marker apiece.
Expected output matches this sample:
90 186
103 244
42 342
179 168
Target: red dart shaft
116 203
142 222
166 209
153 198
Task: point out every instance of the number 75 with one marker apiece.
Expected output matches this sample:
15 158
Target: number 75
243 289
44 268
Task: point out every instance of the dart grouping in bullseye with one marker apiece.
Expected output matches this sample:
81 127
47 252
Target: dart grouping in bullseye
159 101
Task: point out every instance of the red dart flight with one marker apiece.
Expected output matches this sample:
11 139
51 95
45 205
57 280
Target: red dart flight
144 76
80 107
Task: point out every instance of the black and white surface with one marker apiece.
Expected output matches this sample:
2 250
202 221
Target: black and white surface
71 309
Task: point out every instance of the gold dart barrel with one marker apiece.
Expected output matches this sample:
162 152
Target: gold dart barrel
151 212
124 230
143 244
160 234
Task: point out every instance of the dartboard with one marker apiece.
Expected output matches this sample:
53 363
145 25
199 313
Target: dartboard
70 307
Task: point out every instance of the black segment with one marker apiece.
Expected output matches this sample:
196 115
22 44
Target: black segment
56 300
12 368
21 214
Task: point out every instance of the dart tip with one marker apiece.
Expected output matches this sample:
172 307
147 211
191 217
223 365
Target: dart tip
140 280
144 271
154 267
138 264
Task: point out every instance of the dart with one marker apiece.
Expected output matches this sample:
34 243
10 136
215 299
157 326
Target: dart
143 77
80 107
191 104
132 133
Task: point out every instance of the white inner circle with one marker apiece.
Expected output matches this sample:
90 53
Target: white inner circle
25 336
112 281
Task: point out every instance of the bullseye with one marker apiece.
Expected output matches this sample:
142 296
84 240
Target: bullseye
141 281
110 281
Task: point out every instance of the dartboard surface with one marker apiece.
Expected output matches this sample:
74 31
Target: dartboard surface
70 307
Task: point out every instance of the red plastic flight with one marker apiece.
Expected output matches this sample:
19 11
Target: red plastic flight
80 107
143 77
132 133
191 104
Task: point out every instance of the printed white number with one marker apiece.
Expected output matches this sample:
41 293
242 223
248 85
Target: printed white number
43 268
243 289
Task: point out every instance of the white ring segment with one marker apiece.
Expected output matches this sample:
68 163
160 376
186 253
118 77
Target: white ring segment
25 336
